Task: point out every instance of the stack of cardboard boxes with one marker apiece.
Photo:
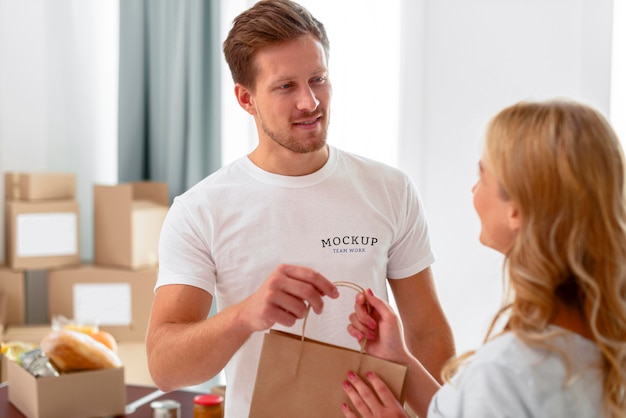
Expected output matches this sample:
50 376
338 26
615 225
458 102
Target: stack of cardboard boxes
114 291
41 232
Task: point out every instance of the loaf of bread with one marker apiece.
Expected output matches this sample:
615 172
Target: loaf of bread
105 338
71 350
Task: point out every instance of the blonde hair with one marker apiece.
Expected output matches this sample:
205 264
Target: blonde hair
563 166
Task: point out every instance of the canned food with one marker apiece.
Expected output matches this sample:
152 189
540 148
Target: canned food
165 408
37 363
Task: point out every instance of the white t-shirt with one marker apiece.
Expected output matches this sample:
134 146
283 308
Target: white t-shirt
508 378
354 219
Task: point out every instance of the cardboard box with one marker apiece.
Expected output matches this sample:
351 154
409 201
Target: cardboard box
127 223
135 360
26 333
132 353
42 235
12 297
3 309
39 186
119 300
96 393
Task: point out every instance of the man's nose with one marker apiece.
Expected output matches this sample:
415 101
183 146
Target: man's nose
307 100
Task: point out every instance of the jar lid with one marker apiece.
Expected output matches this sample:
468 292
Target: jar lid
208 400
166 404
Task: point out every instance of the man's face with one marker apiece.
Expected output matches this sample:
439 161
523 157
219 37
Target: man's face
291 100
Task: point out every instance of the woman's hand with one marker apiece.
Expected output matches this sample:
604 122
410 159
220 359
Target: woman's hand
383 330
381 327
377 403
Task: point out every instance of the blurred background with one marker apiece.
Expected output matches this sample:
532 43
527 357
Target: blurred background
118 91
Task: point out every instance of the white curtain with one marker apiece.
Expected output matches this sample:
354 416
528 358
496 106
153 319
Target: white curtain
58 107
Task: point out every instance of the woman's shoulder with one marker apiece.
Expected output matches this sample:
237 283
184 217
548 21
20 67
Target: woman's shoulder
511 351
508 372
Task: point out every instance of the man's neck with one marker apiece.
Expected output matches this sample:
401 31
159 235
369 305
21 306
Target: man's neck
288 163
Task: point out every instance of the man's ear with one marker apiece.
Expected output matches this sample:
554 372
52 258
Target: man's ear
245 99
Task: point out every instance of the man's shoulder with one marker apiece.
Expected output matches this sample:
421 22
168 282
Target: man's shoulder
356 161
224 178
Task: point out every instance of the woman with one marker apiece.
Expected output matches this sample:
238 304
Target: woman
551 199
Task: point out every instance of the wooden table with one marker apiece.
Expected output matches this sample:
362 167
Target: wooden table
133 393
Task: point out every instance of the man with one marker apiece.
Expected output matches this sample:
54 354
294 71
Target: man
266 235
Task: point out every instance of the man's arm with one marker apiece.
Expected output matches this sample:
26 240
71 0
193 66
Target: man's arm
185 348
427 332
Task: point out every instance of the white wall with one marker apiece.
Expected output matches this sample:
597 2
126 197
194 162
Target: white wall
58 106
480 56
618 70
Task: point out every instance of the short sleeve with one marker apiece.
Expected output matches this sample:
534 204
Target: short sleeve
183 253
411 252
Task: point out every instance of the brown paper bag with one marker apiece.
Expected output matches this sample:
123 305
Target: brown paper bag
300 377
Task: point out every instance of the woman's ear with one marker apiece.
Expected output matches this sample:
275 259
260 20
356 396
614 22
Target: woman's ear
515 219
244 98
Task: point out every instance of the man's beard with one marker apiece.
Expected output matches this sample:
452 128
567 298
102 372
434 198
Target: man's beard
313 141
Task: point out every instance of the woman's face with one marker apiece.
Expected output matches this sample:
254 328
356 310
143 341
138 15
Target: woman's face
498 216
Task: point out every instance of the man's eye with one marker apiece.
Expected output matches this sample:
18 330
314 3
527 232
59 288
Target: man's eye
284 86
319 80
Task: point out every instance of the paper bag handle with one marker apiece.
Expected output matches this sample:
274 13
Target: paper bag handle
342 283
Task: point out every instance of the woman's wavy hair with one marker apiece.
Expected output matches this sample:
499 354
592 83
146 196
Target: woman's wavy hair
563 166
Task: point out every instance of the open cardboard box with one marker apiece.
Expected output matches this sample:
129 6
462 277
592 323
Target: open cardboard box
132 353
96 393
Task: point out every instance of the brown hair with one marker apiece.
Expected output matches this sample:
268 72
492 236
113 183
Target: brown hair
267 23
563 166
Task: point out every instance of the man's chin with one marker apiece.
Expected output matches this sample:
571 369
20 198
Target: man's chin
306 147
314 147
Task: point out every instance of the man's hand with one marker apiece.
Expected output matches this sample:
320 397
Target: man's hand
285 295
